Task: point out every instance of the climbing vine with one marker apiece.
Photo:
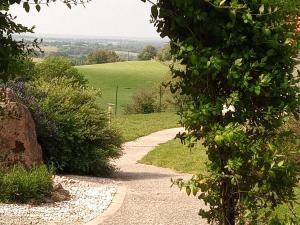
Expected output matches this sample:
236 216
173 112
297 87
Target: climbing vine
237 60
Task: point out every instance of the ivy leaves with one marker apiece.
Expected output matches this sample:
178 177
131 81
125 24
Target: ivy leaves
238 63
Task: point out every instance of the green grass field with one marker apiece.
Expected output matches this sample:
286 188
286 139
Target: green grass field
138 125
179 157
129 76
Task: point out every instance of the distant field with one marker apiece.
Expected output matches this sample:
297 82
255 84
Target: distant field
129 76
49 48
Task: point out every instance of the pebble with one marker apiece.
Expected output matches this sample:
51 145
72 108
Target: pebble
87 202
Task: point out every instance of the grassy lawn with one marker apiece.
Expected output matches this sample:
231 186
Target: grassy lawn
179 157
129 76
138 125
176 156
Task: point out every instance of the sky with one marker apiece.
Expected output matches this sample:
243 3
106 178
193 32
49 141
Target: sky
103 18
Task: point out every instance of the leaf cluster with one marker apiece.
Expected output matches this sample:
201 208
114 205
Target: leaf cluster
238 69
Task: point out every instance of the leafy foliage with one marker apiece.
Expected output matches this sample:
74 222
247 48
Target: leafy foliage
11 51
71 128
102 56
144 101
20 185
56 67
164 54
14 51
149 52
237 62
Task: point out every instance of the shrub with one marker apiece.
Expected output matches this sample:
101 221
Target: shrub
149 52
144 101
58 66
164 54
19 185
157 98
71 128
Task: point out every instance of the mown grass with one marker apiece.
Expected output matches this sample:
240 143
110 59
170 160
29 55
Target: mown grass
128 76
179 157
138 125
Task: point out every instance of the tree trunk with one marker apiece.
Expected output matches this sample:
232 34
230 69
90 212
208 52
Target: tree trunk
228 204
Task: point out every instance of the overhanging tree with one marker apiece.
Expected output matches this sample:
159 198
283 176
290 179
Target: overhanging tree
237 62
12 51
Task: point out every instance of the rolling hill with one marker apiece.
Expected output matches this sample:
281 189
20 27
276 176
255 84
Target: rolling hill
128 76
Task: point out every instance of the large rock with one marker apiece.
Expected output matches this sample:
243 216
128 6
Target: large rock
18 142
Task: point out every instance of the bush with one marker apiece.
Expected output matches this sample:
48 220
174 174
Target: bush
164 54
149 52
71 128
157 98
19 185
58 66
144 101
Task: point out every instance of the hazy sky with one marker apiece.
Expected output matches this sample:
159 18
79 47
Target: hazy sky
122 18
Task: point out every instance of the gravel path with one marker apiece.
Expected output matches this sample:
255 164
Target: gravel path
89 197
149 199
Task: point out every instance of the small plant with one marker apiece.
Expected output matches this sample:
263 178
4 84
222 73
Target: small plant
157 98
144 101
20 185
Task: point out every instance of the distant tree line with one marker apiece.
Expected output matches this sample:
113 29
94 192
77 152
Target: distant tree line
102 56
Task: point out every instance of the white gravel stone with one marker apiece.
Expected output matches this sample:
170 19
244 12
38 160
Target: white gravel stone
88 200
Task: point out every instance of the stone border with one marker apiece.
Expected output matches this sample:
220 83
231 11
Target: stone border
112 208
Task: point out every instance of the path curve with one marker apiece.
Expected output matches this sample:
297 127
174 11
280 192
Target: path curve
149 200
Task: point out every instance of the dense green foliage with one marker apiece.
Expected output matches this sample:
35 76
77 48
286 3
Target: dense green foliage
137 125
102 56
164 54
148 53
20 185
71 128
128 76
12 51
238 59
55 67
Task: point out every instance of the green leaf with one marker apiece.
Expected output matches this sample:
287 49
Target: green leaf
262 9
38 8
26 6
280 164
222 2
188 190
238 62
218 139
154 11
257 90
